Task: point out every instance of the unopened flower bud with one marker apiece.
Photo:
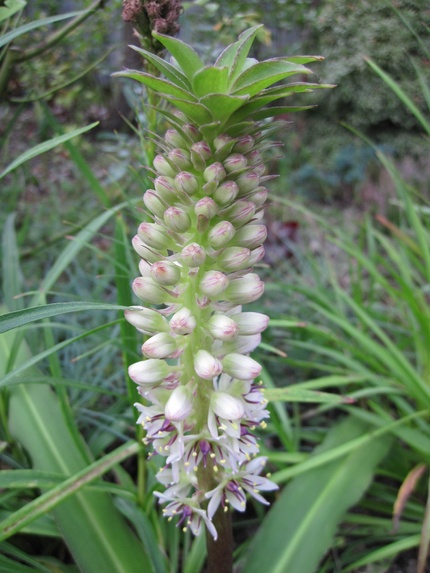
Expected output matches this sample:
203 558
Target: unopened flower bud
180 404
226 406
164 167
250 236
222 327
165 272
221 234
190 130
248 182
234 259
256 255
200 154
165 187
161 345
149 291
144 267
251 322
206 365
226 193
244 289
180 157
259 168
153 235
183 321
154 203
235 162
187 183
221 140
240 366
254 157
177 219
206 207
175 139
149 371
240 213
214 172
213 283
146 320
244 144
193 255
258 196
145 252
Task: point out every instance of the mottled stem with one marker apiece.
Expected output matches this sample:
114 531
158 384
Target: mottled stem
220 552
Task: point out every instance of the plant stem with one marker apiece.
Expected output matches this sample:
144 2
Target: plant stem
220 552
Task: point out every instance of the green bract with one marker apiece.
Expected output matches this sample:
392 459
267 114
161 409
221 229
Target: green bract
235 90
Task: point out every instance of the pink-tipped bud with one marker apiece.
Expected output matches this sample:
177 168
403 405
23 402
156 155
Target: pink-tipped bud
214 172
226 406
164 167
226 193
175 139
187 183
153 235
206 365
260 169
161 345
145 252
165 272
222 327
254 157
235 162
213 283
148 372
165 187
206 207
244 144
154 203
256 255
192 131
221 234
146 320
251 322
193 255
183 321
240 366
234 259
248 182
180 404
180 157
259 196
149 291
240 213
244 289
200 155
144 268
222 140
177 219
251 236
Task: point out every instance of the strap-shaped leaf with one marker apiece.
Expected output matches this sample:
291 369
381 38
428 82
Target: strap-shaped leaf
234 56
196 112
264 74
187 58
171 72
210 80
304 59
222 106
157 84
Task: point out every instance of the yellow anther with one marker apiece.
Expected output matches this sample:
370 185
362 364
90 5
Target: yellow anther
263 425
225 509
243 504
184 529
186 464
215 469
269 474
235 426
222 461
195 468
212 455
167 448
194 454
169 518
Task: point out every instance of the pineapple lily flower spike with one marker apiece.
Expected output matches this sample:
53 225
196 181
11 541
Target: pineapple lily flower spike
203 399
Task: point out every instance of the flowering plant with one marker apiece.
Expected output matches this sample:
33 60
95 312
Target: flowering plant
202 397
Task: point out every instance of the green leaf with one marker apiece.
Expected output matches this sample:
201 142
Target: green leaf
171 72
196 112
222 106
275 111
311 507
44 147
161 86
265 74
7 38
234 56
297 394
210 80
186 57
25 316
10 8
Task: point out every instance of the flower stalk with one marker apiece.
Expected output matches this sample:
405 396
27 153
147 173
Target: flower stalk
198 253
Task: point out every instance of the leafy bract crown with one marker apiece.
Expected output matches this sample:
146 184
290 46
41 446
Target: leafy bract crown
224 97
